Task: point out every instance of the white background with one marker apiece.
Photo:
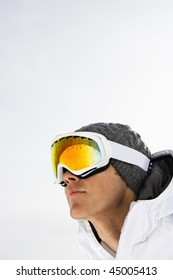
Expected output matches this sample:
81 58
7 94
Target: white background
65 64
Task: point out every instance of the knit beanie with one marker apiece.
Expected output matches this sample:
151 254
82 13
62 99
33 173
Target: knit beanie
123 134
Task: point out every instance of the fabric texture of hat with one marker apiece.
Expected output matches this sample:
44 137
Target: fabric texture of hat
123 134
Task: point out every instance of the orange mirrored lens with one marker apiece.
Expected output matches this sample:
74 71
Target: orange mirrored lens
75 152
79 156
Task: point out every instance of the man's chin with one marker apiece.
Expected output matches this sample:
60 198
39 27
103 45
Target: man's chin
77 215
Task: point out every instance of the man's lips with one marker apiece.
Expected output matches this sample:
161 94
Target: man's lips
75 192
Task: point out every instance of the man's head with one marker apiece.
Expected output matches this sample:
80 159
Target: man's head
123 134
92 164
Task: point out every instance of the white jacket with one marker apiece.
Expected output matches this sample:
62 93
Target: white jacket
147 232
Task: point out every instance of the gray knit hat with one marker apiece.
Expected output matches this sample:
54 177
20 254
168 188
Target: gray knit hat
123 134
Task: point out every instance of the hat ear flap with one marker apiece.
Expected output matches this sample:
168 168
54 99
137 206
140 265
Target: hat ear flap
159 178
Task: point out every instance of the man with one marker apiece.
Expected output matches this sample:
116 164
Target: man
121 194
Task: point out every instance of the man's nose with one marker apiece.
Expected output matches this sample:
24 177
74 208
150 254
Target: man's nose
70 177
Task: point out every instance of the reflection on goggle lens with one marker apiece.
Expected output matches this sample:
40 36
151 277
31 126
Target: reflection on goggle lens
75 152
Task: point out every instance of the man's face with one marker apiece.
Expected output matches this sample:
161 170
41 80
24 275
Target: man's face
92 197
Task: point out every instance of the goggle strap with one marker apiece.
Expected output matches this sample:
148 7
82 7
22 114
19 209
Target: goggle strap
129 155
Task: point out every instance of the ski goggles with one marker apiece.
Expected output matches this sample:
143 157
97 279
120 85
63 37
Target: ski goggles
87 153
